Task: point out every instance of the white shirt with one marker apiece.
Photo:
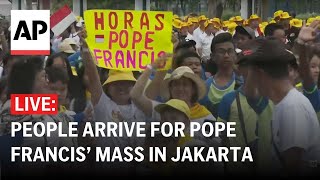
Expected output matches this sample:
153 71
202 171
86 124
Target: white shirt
196 35
295 124
189 37
205 45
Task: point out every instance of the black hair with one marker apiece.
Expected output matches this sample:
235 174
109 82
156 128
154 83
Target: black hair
184 55
221 38
56 74
271 28
22 76
61 55
185 45
195 96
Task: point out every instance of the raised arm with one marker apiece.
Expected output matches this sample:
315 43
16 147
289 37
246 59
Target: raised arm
153 89
137 95
94 87
306 35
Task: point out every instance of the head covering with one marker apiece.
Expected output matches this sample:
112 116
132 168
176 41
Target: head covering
175 104
254 17
272 21
116 75
238 19
66 47
285 15
184 71
310 20
184 24
246 31
216 21
193 20
296 23
176 23
277 14
202 18
232 26
206 24
175 16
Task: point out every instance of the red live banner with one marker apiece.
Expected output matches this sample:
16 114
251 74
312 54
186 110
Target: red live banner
25 104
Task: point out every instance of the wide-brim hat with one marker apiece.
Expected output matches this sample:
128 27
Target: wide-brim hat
175 104
184 71
116 75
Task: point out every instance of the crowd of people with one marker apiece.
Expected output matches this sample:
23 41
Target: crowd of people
263 76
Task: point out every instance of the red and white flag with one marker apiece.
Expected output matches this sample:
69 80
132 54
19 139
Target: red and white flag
99 38
61 20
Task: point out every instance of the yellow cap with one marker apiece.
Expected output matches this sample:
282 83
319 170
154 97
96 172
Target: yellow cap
202 18
176 23
285 15
176 17
193 20
189 23
246 22
216 21
225 23
232 27
116 75
184 24
238 19
206 24
277 13
254 17
296 23
272 21
175 104
232 19
310 20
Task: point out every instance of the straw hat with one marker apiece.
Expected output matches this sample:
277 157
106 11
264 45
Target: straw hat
184 71
116 75
176 104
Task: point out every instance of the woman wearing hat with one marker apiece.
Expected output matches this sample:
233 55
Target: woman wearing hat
182 84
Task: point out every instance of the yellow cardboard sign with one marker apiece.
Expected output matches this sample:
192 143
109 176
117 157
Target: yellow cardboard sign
128 40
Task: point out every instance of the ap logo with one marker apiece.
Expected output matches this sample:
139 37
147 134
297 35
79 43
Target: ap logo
30 32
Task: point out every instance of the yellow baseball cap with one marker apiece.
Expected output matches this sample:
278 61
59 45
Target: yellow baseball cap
277 13
285 15
202 18
116 75
175 104
296 23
